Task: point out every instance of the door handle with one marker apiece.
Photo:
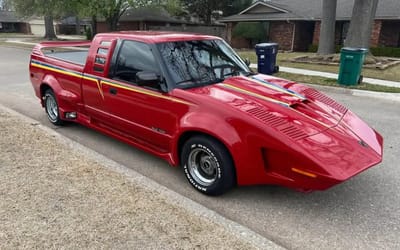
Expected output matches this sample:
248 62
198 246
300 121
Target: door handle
113 91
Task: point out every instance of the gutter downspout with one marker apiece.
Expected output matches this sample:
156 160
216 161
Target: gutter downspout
294 35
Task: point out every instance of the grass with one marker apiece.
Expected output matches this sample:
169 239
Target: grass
332 83
391 74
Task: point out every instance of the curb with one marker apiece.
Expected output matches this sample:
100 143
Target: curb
238 230
356 92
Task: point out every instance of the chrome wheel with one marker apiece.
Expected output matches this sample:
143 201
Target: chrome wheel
51 108
203 167
208 165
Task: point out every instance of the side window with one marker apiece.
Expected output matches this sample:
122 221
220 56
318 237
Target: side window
134 57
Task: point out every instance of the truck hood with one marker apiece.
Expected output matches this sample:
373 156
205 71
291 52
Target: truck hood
292 108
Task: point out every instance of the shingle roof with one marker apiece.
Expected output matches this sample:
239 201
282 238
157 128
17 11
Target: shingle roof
311 10
9 17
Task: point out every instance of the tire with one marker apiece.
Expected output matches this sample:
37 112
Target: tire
51 107
208 165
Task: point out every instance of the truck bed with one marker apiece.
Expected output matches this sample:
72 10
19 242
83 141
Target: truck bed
77 57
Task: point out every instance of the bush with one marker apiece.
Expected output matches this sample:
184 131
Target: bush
252 31
385 51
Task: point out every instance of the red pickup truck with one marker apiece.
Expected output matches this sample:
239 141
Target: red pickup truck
191 100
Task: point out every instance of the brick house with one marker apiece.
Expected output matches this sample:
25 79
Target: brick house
9 22
295 24
148 18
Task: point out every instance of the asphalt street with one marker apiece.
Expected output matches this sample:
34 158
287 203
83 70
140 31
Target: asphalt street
362 213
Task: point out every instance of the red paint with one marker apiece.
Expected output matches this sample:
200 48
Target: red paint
267 140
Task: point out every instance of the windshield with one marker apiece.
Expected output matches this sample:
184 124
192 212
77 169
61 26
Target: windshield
202 62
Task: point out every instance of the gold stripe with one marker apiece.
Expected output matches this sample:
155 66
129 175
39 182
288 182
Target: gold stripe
274 87
101 82
255 94
56 70
142 91
275 101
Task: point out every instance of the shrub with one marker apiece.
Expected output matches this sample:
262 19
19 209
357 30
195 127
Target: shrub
255 32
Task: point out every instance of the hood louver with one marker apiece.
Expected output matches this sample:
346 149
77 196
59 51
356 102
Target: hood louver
277 122
316 95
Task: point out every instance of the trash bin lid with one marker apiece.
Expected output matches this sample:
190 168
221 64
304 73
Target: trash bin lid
266 45
353 49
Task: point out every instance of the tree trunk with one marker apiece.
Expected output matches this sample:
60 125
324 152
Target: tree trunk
113 22
327 34
94 25
78 25
362 19
49 28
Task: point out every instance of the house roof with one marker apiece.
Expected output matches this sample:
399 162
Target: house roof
149 14
9 17
278 10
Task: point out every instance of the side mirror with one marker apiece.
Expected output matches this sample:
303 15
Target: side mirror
144 77
149 79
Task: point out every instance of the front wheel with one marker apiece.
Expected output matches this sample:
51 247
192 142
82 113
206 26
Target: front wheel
51 107
208 165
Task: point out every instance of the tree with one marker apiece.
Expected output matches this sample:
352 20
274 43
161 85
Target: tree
5 5
254 32
236 6
110 10
173 7
47 8
205 8
361 23
327 33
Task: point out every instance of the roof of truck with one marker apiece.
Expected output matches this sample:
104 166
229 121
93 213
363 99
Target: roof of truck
157 36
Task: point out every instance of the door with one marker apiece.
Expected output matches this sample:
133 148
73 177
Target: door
144 115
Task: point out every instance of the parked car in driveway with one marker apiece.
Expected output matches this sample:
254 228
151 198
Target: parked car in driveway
191 100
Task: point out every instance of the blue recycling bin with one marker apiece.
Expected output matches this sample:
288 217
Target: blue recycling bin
266 58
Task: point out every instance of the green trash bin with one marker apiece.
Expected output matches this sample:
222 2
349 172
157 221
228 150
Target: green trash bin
351 62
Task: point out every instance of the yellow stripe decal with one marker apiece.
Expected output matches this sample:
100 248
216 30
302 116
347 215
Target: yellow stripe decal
56 70
275 87
255 94
100 82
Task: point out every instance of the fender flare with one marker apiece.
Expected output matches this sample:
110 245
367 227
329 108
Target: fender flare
213 126
64 97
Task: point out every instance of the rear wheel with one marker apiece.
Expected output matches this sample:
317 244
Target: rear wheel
208 165
51 107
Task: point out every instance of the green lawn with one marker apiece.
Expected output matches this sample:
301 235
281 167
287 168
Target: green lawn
392 74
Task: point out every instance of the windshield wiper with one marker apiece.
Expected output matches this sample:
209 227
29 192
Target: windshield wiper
214 81
239 73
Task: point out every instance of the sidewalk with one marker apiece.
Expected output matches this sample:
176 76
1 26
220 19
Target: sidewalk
55 193
333 76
